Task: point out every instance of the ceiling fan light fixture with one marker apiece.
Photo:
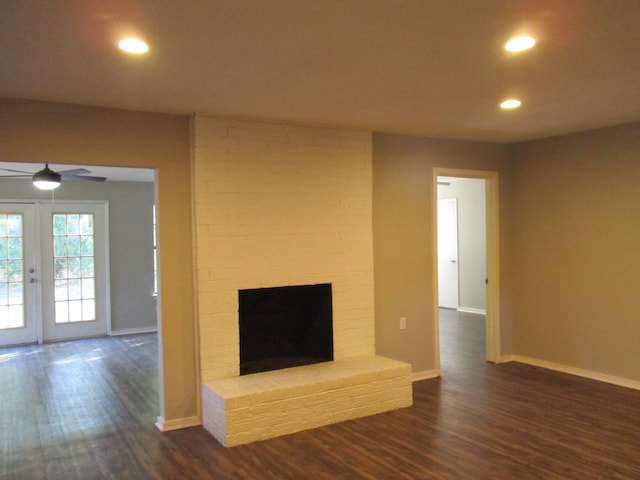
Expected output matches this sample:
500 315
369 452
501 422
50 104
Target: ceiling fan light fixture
46 179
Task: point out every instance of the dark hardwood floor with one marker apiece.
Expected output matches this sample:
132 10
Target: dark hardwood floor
86 410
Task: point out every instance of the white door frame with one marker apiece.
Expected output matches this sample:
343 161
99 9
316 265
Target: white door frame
493 351
104 278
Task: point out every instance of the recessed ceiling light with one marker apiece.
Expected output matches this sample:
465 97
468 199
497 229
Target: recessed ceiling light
511 103
519 44
133 45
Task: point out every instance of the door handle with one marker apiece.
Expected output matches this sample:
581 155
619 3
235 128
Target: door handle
453 260
32 280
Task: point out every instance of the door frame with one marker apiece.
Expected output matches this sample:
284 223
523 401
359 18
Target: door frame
493 344
105 277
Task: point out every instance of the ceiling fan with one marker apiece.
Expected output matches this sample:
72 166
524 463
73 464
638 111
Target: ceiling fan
47 179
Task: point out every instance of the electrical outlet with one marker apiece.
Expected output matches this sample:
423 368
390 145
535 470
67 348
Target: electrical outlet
403 323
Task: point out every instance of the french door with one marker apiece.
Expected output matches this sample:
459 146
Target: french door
17 286
53 271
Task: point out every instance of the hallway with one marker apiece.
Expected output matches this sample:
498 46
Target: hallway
462 343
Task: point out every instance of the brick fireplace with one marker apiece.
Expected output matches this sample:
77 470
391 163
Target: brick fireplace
280 205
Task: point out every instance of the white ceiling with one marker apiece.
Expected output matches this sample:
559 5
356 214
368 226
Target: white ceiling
433 68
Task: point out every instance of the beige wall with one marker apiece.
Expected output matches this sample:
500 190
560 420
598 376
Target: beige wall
402 238
576 232
281 205
57 133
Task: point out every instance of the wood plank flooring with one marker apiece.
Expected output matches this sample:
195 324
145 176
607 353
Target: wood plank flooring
86 410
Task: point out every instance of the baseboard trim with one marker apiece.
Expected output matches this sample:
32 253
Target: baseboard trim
177 423
425 375
133 331
580 372
505 359
477 311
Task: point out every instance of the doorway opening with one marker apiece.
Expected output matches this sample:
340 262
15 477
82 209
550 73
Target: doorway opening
446 268
132 310
84 251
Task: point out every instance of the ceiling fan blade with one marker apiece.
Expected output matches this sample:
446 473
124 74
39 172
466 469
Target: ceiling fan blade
15 171
16 176
74 171
89 178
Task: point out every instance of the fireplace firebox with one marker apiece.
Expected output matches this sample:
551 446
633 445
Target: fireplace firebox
282 327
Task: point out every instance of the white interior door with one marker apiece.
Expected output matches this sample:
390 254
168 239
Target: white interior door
19 309
57 286
448 253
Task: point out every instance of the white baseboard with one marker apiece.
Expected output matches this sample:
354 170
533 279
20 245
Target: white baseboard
133 331
427 374
477 311
601 377
177 423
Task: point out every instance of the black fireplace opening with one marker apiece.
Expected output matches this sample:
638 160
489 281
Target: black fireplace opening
282 327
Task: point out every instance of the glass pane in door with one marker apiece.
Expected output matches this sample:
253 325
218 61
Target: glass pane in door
74 273
11 271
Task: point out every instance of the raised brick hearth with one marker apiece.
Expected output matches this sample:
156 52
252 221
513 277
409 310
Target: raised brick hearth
254 407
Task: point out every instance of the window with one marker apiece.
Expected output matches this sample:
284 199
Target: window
74 267
11 271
